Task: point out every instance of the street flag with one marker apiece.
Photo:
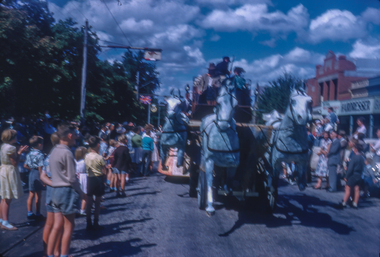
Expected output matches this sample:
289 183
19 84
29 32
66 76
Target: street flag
145 99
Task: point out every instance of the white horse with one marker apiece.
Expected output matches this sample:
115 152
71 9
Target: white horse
174 131
220 143
289 141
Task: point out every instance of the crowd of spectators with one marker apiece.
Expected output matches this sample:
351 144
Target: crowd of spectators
76 163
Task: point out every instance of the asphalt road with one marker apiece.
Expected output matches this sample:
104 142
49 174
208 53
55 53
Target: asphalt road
158 218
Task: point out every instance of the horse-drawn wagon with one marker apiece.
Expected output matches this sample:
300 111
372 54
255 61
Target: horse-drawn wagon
227 155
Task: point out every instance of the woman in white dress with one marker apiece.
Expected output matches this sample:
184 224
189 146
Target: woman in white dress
322 170
10 181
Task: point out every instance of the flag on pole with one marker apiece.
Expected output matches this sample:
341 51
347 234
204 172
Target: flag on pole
145 99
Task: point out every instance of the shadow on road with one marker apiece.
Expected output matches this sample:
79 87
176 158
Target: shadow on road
126 248
177 180
109 230
292 210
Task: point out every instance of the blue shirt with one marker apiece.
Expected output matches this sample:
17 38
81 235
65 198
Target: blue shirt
147 143
46 167
34 159
103 148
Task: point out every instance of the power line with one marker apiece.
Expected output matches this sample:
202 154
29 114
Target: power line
116 22
76 6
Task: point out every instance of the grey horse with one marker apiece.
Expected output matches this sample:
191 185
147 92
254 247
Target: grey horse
289 140
220 143
174 131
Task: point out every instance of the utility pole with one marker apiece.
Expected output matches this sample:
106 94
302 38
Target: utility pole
84 74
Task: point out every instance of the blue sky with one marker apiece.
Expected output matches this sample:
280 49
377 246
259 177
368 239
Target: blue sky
266 37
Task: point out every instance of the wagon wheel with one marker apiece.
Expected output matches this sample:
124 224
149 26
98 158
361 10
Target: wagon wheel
267 194
201 190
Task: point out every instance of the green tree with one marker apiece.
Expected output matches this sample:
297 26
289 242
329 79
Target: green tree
276 95
41 65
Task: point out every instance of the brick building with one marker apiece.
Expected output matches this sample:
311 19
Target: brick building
334 84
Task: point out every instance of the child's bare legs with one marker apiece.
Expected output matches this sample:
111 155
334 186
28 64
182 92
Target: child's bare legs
83 205
68 228
122 182
347 191
55 233
47 228
5 203
30 200
356 195
38 202
117 182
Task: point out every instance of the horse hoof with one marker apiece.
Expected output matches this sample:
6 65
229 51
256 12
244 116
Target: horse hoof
210 213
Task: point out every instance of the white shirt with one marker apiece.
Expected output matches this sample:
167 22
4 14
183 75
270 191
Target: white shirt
81 166
362 129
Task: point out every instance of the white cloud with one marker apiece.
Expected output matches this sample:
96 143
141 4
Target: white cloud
298 61
256 17
223 3
372 15
369 49
215 38
336 25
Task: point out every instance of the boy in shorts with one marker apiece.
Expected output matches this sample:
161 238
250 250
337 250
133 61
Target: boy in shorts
34 163
65 192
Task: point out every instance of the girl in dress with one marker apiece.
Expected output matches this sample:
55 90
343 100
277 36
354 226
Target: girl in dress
80 154
322 171
10 182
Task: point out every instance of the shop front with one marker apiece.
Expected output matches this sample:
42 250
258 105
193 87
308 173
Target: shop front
349 111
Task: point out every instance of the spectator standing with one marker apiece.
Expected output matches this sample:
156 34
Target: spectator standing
147 146
96 169
137 148
46 179
354 174
122 164
376 148
10 182
34 163
80 154
343 145
333 161
368 176
322 170
361 128
65 192
103 146
332 118
310 142
103 130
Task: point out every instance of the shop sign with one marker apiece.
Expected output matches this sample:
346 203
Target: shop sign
363 106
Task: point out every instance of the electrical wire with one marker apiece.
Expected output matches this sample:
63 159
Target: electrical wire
77 7
116 22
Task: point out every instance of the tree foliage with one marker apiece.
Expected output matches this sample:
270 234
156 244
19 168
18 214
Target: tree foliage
276 95
41 68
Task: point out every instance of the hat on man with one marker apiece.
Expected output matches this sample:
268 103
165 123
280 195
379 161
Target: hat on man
226 58
342 133
317 122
